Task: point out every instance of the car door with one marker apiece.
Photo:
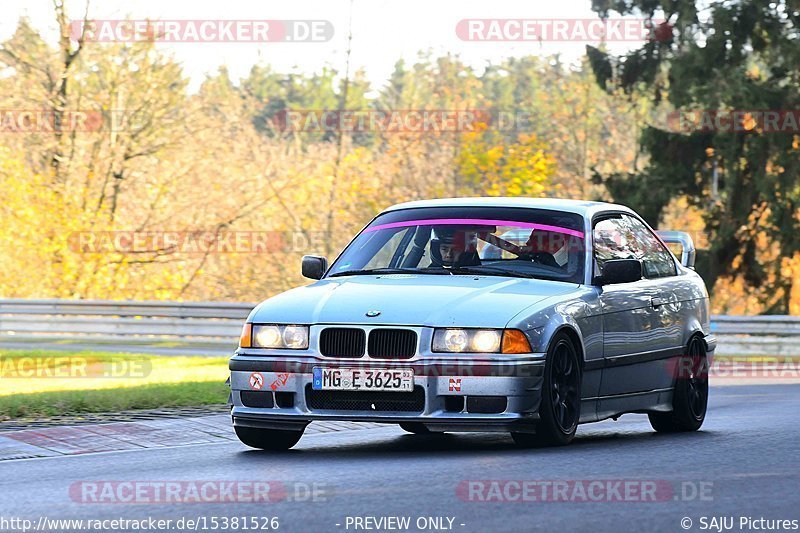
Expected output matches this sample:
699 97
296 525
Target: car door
640 332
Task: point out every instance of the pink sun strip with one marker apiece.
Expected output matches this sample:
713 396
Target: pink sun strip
475 222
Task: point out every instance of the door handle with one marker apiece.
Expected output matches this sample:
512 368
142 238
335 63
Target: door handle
657 302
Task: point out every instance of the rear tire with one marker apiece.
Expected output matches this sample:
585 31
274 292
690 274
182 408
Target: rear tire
560 407
268 439
417 428
690 395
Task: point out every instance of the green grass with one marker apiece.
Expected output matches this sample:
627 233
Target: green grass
159 381
72 402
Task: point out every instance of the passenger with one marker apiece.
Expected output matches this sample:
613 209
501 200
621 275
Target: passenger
547 248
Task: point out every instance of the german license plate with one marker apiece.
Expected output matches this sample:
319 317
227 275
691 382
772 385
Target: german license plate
363 379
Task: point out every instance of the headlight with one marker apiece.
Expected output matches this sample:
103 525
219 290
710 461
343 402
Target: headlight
458 340
282 337
295 337
451 340
466 340
486 341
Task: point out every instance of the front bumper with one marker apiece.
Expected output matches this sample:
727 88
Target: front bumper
442 379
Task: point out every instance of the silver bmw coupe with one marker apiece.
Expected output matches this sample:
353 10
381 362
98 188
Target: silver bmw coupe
527 316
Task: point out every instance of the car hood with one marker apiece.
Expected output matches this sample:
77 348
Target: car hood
409 299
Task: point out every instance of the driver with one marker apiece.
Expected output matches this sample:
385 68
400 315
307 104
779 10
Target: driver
456 247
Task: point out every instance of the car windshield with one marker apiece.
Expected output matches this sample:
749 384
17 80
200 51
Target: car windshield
517 242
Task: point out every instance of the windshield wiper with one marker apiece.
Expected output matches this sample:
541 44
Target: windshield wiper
485 270
491 271
368 271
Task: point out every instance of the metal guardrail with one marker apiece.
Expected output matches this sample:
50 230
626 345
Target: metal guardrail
772 335
219 324
208 323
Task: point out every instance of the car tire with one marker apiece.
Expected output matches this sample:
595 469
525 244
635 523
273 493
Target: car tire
417 428
560 406
690 394
268 439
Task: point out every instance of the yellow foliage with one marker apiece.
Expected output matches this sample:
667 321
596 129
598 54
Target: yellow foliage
498 168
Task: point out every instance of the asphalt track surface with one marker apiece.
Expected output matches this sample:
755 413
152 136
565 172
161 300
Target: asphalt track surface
744 463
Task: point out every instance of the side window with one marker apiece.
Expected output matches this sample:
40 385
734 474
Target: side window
657 260
625 237
613 239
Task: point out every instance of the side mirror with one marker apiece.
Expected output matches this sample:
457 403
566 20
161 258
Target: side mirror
314 267
620 271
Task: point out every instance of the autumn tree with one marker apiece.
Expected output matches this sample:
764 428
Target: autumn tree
712 59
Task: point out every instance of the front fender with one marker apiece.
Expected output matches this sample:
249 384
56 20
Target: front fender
581 316
541 336
579 311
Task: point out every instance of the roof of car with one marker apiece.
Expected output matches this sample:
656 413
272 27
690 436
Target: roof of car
581 207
